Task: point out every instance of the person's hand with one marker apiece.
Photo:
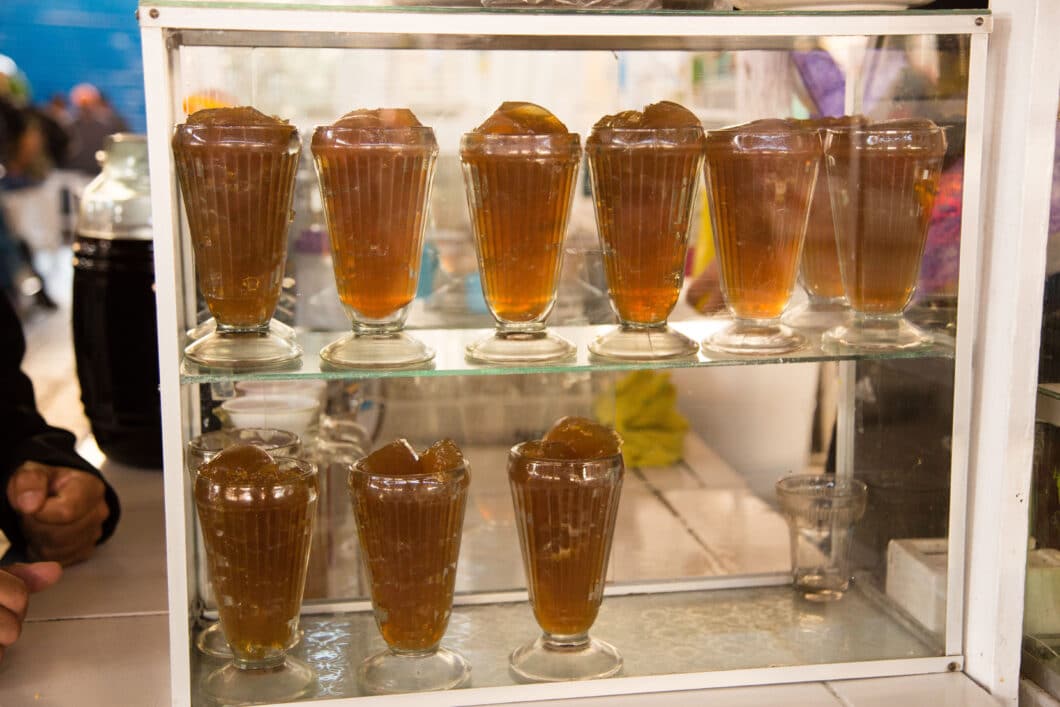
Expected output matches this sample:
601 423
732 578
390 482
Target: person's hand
17 582
62 511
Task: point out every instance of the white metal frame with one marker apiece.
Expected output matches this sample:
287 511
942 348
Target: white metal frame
982 624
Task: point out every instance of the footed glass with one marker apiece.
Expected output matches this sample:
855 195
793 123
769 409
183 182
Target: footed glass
409 526
257 535
883 180
376 184
519 191
760 180
565 513
278 443
644 185
238 185
821 512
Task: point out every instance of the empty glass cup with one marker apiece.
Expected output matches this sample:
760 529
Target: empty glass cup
565 513
257 533
238 185
821 512
882 180
644 184
519 192
760 180
376 184
410 527
278 443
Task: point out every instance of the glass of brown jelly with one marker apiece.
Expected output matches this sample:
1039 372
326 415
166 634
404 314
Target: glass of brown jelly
520 168
409 522
257 514
236 168
882 180
375 169
760 183
278 443
565 512
644 168
826 303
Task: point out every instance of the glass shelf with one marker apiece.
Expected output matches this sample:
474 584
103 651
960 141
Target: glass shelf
449 345
657 634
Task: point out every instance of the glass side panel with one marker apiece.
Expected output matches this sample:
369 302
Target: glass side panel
1041 643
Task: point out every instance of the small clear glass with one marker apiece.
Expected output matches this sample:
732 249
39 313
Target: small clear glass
200 450
565 514
519 192
376 184
238 186
257 536
760 181
882 181
644 185
409 526
821 512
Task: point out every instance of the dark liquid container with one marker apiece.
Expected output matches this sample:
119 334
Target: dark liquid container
114 325
116 346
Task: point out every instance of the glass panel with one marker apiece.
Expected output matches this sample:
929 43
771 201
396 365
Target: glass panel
1041 643
706 437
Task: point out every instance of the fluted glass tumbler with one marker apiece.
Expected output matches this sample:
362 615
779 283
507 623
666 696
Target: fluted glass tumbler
200 450
760 181
565 513
882 180
409 526
238 184
257 534
376 184
644 185
826 305
519 190
821 512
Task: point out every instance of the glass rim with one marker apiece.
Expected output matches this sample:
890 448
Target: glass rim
415 129
922 130
453 473
638 131
256 403
517 452
307 470
799 484
194 444
561 138
290 128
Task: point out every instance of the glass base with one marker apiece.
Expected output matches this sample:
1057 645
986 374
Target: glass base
392 350
817 315
210 326
633 343
211 641
235 686
551 659
515 347
389 672
755 338
821 586
868 334
243 350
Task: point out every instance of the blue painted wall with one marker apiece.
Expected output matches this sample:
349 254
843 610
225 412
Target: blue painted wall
61 43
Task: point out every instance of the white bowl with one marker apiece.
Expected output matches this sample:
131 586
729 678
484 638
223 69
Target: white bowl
294 413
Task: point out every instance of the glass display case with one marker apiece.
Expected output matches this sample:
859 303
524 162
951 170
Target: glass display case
698 591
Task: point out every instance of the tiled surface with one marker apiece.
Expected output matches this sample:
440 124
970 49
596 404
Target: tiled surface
88 663
939 690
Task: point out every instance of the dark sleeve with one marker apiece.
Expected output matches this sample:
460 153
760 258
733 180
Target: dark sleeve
25 436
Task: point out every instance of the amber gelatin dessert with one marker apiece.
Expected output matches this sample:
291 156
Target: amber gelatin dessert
565 489
236 169
375 169
644 168
760 181
883 179
410 514
520 168
256 513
